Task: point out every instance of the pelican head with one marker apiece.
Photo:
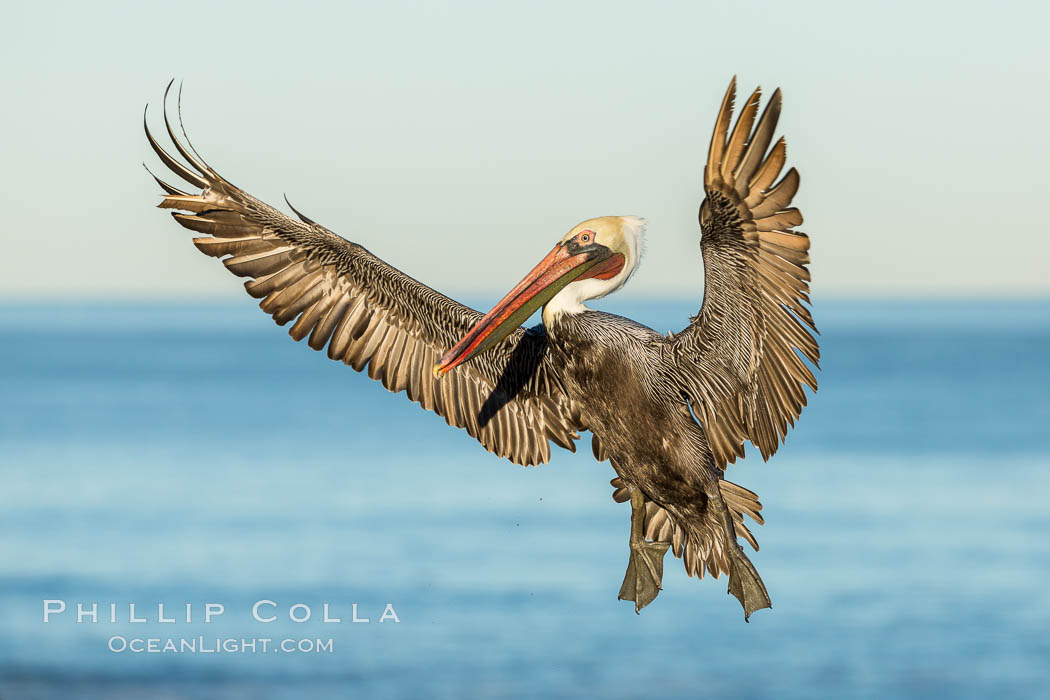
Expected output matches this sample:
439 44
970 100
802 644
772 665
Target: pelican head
593 259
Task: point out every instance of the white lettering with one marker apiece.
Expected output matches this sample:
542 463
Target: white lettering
160 614
82 613
259 604
53 607
132 618
326 616
291 613
389 614
213 610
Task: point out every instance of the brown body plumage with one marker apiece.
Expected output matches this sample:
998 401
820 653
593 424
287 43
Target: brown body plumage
669 412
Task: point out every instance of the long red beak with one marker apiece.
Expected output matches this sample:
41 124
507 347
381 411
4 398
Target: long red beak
543 282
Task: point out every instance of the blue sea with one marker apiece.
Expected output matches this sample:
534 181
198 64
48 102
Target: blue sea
194 455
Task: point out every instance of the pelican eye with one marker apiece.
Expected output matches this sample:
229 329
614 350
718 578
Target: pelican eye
585 238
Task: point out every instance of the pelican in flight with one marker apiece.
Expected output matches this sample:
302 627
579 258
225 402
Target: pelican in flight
669 412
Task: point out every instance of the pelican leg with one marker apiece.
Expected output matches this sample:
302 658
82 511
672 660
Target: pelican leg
645 568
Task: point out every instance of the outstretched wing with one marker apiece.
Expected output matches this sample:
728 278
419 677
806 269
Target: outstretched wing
741 358
366 313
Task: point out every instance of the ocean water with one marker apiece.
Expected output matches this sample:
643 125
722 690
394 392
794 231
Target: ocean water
193 454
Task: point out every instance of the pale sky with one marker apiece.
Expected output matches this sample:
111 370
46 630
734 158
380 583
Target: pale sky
459 141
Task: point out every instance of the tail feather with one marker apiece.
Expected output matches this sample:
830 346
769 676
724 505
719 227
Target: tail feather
660 526
741 502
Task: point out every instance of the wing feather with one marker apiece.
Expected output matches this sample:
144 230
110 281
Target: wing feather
738 140
758 144
371 316
742 360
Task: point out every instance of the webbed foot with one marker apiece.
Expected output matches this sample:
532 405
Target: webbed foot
745 584
645 571
645 568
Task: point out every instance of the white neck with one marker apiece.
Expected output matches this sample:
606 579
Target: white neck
570 299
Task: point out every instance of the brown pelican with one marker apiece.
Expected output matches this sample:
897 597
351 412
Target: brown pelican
669 412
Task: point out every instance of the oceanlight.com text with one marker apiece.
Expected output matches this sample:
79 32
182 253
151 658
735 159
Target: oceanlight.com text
218 645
